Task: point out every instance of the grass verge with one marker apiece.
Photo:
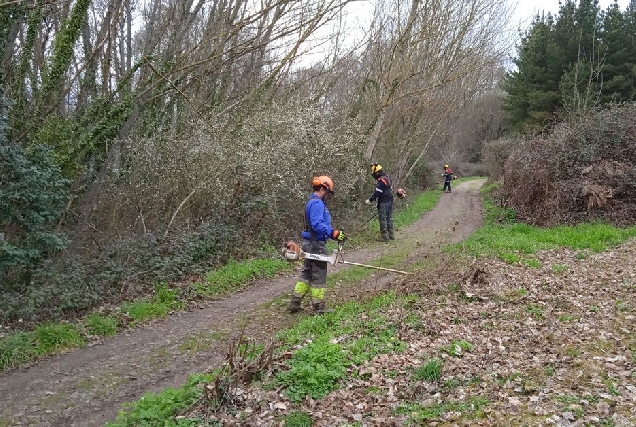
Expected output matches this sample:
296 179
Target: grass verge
21 347
502 237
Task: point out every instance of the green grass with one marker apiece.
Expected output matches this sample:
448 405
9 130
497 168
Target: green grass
457 348
314 371
431 371
17 348
235 274
501 237
98 324
350 335
298 419
53 337
535 310
158 409
164 301
418 413
22 347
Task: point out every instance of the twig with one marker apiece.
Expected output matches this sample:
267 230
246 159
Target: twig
58 372
177 211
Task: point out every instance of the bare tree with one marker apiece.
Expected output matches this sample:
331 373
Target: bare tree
425 57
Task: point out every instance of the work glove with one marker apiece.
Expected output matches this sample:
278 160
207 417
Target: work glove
338 235
368 202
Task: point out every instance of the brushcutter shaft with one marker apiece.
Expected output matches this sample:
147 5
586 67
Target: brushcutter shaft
373 266
292 252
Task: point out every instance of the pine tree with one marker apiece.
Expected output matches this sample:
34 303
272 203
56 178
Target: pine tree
620 60
571 63
578 31
533 91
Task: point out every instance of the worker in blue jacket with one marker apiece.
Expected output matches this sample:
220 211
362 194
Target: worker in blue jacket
318 230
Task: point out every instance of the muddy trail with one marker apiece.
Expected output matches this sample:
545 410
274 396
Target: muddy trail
86 387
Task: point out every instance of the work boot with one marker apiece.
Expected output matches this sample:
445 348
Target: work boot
385 236
391 235
319 307
295 304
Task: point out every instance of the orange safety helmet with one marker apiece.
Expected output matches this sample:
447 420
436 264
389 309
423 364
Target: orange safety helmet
323 181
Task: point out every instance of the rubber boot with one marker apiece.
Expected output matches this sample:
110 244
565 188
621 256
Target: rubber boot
295 304
319 307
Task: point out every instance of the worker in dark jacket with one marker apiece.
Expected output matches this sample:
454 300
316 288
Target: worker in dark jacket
448 177
384 195
318 230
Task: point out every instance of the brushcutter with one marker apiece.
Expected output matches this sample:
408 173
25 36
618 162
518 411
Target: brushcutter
292 252
400 193
368 220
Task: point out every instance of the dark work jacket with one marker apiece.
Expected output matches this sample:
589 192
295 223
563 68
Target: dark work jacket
383 190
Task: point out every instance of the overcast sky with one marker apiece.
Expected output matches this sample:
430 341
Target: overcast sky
360 11
526 9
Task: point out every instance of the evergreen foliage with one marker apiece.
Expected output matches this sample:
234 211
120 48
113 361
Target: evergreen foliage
570 63
33 194
63 45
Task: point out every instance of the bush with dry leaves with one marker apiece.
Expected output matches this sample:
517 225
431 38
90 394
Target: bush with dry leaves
581 172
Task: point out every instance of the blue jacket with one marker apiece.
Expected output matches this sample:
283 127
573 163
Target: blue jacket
317 219
383 190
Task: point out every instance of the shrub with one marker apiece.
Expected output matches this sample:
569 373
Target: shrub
581 172
33 195
494 156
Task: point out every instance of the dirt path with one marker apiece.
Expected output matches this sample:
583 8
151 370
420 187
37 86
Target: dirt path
86 387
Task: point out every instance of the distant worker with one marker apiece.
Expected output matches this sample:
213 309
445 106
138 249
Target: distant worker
384 195
317 230
448 177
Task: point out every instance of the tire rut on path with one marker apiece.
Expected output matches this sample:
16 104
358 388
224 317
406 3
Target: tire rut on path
87 386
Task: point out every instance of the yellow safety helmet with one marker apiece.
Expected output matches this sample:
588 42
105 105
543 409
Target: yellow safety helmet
323 181
375 168
446 166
